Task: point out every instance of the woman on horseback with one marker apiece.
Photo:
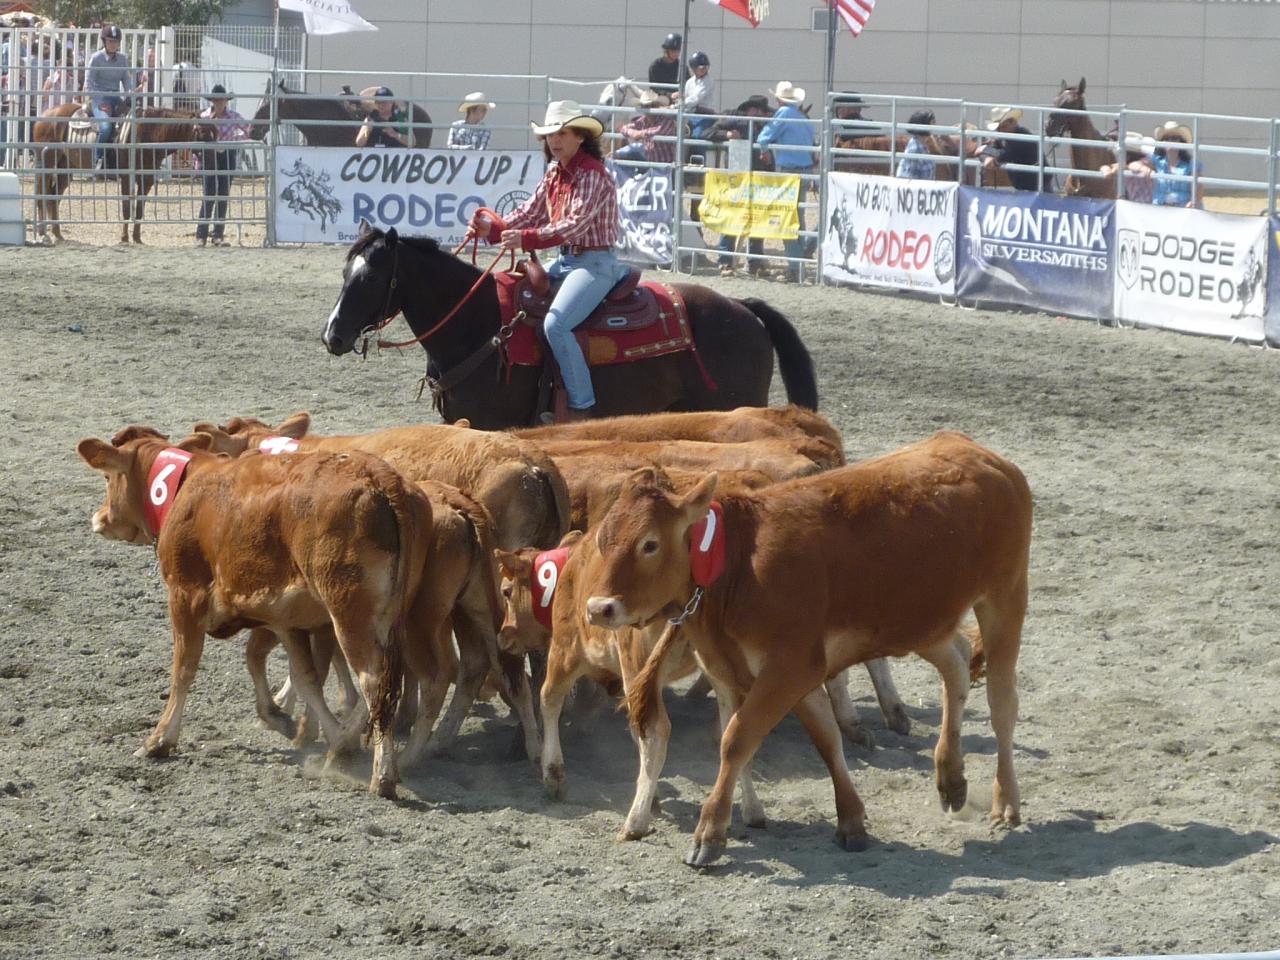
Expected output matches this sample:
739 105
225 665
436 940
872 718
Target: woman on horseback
574 208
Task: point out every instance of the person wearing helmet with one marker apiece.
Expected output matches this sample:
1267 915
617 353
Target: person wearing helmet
666 69
108 74
700 95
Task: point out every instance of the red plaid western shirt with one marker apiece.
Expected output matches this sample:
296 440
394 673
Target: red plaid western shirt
575 204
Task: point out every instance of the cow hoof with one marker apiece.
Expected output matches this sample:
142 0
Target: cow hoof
554 784
858 736
384 788
954 795
1008 817
756 822
853 841
153 751
630 832
898 721
704 854
281 723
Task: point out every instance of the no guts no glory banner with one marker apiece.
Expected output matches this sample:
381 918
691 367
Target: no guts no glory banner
1037 249
891 233
322 193
1190 270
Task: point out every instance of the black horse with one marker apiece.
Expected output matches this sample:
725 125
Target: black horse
736 340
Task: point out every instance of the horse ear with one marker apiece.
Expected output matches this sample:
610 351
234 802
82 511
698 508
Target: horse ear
365 227
1063 87
1080 89
392 237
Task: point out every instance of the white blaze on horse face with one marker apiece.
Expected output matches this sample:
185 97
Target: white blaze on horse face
358 266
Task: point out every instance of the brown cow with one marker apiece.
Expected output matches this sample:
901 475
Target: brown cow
715 426
289 543
882 558
776 458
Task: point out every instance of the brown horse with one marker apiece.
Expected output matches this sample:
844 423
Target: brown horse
142 142
1079 127
939 145
329 122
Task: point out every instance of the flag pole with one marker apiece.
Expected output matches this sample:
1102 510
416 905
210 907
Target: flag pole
677 215
825 164
272 132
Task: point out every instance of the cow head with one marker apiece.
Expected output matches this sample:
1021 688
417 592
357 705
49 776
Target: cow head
521 632
125 462
242 434
643 570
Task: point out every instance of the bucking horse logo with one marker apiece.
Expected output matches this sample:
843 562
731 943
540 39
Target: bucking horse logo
846 232
311 193
1249 285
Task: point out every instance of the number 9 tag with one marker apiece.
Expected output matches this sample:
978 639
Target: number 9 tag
545 577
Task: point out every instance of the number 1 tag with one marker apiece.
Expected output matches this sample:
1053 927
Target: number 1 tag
545 577
706 546
162 485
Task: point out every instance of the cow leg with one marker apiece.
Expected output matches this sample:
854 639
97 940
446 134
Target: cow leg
1001 627
891 706
561 674
188 645
815 713
846 716
433 675
948 758
142 187
350 695
302 671
513 686
324 652
473 667
262 642
775 691
652 742
752 808
373 660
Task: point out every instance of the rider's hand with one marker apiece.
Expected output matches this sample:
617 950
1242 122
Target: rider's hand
510 239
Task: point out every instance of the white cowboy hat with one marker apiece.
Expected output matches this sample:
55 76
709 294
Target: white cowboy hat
566 113
1135 142
1171 127
650 98
787 92
476 99
999 115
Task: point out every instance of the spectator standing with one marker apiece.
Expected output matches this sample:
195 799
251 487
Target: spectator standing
700 95
849 122
218 163
666 68
743 123
471 132
914 165
386 123
107 77
1003 151
1174 168
789 136
650 136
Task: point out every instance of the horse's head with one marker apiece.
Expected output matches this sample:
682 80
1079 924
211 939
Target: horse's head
1068 98
262 116
368 294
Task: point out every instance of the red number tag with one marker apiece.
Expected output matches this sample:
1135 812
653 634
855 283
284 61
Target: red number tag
273 446
706 546
162 485
544 579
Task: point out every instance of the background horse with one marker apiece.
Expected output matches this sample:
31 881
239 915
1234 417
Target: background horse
736 340
1083 157
332 122
939 145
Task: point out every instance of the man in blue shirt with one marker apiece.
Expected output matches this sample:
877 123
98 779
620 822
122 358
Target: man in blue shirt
789 136
914 165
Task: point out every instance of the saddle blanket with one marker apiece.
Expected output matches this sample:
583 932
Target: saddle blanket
650 322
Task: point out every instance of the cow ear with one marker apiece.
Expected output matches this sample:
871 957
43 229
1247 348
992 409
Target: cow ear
1080 89
696 502
296 426
570 538
514 566
644 477
101 455
197 441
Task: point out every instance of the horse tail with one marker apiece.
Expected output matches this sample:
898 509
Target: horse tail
793 356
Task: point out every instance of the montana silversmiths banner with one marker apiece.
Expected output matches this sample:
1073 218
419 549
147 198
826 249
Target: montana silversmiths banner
645 203
322 193
748 204
1191 270
1037 249
890 233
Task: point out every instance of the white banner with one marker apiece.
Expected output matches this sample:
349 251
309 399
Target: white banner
322 193
324 17
1190 270
891 233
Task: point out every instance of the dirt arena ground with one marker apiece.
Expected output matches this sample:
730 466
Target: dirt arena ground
1147 747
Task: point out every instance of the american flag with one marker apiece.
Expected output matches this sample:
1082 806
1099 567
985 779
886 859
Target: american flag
854 13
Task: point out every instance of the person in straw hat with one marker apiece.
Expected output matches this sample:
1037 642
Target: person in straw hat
471 133
218 162
1002 151
1138 168
1174 168
651 135
575 209
789 136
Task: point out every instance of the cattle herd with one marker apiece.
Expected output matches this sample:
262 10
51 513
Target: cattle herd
551 563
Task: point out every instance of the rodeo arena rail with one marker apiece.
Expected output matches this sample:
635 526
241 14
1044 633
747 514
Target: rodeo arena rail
1018 205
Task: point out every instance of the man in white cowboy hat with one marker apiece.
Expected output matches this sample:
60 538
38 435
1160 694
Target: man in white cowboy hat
575 209
471 133
789 136
651 135
1003 151
1175 169
218 162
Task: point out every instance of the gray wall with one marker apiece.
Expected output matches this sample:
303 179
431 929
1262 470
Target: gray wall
1211 56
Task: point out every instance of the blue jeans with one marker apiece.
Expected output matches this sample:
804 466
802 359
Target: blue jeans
103 110
727 245
799 247
587 277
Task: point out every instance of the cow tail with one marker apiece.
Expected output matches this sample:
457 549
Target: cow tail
555 497
642 700
793 356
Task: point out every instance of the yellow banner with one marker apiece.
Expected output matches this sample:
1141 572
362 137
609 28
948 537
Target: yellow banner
761 205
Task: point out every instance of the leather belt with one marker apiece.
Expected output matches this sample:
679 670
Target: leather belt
576 249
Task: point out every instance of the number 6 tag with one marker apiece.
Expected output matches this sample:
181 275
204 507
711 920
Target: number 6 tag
162 485
544 578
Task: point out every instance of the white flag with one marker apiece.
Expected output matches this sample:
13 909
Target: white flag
327 16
